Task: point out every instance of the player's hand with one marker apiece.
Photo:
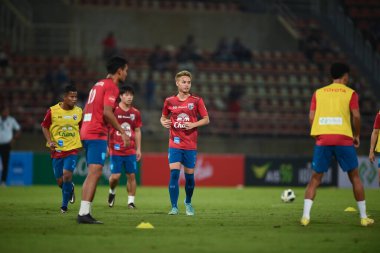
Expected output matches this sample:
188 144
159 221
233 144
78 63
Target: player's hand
356 141
371 156
189 125
125 138
138 155
166 123
52 145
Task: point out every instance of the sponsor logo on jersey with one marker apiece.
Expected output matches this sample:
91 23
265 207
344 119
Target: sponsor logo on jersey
127 129
87 117
181 119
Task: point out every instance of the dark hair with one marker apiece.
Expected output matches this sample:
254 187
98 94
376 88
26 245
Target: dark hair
126 88
115 63
70 88
338 69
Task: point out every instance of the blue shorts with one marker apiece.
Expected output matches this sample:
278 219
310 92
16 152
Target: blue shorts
67 163
96 151
118 162
345 156
186 157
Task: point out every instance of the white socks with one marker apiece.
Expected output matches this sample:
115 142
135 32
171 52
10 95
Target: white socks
131 199
85 207
307 203
112 191
362 209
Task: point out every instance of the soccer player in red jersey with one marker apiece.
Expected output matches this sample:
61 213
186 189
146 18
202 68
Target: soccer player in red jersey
330 117
180 114
125 157
375 143
97 114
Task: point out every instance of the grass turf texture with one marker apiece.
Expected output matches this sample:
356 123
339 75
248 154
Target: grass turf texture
226 220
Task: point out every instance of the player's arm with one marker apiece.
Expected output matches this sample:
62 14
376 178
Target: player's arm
204 121
374 136
354 107
138 143
313 107
17 130
356 130
311 117
165 116
165 121
51 143
46 123
111 119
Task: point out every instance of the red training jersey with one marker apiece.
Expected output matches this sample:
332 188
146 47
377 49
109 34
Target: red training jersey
103 93
129 121
46 123
376 125
181 112
335 139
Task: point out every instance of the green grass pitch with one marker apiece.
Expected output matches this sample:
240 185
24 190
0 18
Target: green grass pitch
226 220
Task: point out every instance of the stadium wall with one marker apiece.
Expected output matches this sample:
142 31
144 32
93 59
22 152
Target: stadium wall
145 29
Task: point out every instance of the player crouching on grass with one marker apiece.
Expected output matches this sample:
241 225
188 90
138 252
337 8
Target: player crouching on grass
180 114
61 130
121 157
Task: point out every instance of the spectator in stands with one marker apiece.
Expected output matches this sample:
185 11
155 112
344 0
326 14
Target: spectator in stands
4 61
234 106
135 85
109 46
9 131
191 48
223 51
62 76
150 90
240 52
311 43
48 80
158 59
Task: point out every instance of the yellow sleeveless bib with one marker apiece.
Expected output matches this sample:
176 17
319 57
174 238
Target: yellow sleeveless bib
64 129
332 115
377 148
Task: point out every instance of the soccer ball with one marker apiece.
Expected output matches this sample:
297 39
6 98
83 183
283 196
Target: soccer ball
288 196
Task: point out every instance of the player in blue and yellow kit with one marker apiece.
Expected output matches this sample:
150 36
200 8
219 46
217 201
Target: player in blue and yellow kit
61 130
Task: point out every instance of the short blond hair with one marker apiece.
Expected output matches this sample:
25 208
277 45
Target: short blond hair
183 73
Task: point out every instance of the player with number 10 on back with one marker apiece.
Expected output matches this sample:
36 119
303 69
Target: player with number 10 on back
97 114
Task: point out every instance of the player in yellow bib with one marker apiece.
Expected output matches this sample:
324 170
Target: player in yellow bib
375 142
61 130
330 118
